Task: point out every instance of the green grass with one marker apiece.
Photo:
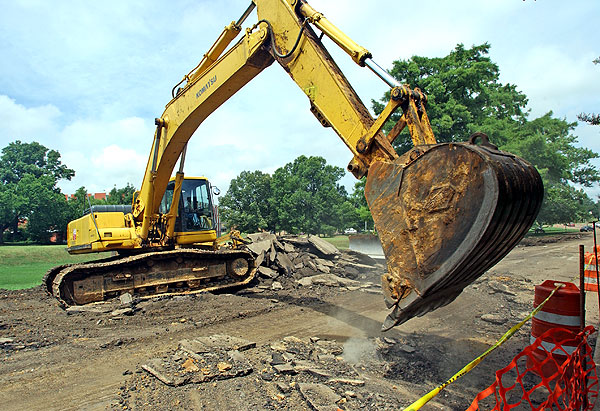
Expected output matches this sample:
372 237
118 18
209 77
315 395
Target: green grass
24 266
340 241
553 230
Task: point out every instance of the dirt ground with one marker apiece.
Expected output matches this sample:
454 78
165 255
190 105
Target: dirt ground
307 347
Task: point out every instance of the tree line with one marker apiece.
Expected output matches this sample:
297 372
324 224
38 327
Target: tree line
32 207
465 95
303 196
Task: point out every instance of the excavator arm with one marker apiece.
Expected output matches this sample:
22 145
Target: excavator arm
286 36
445 213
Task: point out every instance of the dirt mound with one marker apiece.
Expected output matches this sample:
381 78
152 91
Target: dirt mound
551 239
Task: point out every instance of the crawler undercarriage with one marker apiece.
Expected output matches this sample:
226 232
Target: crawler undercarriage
179 271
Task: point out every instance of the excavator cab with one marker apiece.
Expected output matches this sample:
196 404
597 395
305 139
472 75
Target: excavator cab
195 221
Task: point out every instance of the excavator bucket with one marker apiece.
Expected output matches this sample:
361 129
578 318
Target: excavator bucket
445 214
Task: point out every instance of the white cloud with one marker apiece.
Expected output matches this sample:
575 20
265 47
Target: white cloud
105 154
555 81
26 124
88 79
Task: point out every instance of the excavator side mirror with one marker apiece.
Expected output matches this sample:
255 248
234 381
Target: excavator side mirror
216 191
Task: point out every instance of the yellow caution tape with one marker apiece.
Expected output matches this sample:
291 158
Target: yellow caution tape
427 397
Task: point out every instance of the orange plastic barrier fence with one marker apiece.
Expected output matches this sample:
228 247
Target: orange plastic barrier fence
572 386
590 276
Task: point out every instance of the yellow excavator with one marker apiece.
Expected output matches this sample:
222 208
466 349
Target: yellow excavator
445 213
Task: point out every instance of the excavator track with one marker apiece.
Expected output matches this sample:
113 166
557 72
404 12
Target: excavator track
51 274
180 271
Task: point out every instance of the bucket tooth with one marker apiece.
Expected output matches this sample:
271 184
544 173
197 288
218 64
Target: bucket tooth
445 214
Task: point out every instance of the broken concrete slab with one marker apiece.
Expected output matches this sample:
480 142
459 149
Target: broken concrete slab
283 387
272 254
297 257
501 288
200 345
305 282
126 299
329 280
323 246
267 272
285 369
300 241
323 268
319 396
122 311
89 308
305 272
310 264
285 263
288 356
326 263
277 358
278 245
181 370
259 247
155 367
257 237
359 257
347 381
260 258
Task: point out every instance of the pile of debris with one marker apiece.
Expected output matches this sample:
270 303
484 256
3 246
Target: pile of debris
319 373
310 260
202 359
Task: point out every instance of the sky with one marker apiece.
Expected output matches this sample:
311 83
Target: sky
88 78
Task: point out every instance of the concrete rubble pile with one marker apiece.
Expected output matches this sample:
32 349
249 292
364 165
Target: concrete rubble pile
310 261
324 374
202 359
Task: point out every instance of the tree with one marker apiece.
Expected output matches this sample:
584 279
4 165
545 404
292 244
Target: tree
19 159
465 95
548 144
47 210
360 203
564 204
79 202
593 119
121 195
8 206
302 196
29 173
247 203
307 197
